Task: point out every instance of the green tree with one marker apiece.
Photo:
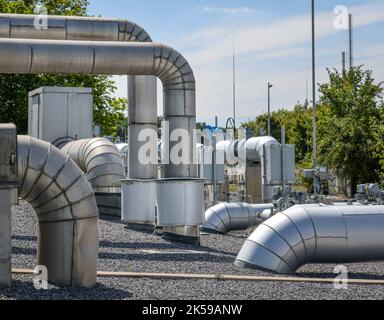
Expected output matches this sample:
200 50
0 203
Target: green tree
298 125
14 88
350 116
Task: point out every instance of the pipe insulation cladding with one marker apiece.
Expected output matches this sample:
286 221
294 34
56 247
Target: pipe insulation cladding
315 234
56 57
142 90
100 159
66 209
226 217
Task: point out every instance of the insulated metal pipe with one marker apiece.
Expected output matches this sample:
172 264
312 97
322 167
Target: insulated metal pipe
315 234
66 209
52 57
100 159
5 237
226 217
142 90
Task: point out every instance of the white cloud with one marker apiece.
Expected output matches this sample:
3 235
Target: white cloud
278 52
238 10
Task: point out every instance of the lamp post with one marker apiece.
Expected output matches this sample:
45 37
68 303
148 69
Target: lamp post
269 108
314 87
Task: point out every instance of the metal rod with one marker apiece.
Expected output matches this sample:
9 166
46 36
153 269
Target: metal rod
220 277
314 86
283 165
350 42
269 108
214 171
234 81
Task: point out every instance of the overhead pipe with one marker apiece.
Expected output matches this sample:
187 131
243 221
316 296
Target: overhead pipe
52 57
66 209
226 217
142 90
56 57
315 234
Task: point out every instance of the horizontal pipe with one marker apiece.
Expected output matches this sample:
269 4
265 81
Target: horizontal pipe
71 28
66 209
100 159
315 234
55 57
142 90
226 217
219 277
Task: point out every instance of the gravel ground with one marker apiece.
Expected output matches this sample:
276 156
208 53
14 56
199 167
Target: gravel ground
126 250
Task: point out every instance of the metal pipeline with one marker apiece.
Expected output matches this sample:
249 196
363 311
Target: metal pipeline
315 234
142 90
255 148
103 164
52 57
226 217
100 159
66 209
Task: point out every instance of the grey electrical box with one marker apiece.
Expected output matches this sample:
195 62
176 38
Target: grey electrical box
59 115
8 159
8 155
206 169
274 164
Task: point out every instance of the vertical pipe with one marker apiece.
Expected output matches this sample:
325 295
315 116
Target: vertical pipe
142 115
314 86
350 42
5 237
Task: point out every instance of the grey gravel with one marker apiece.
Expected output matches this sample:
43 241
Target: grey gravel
126 250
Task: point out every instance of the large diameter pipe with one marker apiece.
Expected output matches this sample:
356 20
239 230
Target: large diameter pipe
100 159
66 209
56 57
226 217
315 234
255 147
142 90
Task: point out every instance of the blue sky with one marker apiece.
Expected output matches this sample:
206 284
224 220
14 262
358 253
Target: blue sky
272 44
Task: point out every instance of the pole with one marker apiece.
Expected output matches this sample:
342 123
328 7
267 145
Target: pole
214 172
283 162
350 42
314 87
234 80
344 62
269 108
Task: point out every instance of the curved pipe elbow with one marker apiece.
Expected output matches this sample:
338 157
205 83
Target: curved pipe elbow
66 209
226 217
100 159
254 147
315 234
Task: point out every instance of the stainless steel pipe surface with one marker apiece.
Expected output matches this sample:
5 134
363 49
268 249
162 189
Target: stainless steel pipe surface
66 209
142 90
100 159
315 234
226 217
52 57
71 28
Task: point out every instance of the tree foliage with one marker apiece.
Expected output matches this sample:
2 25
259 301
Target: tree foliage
348 131
350 120
108 112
